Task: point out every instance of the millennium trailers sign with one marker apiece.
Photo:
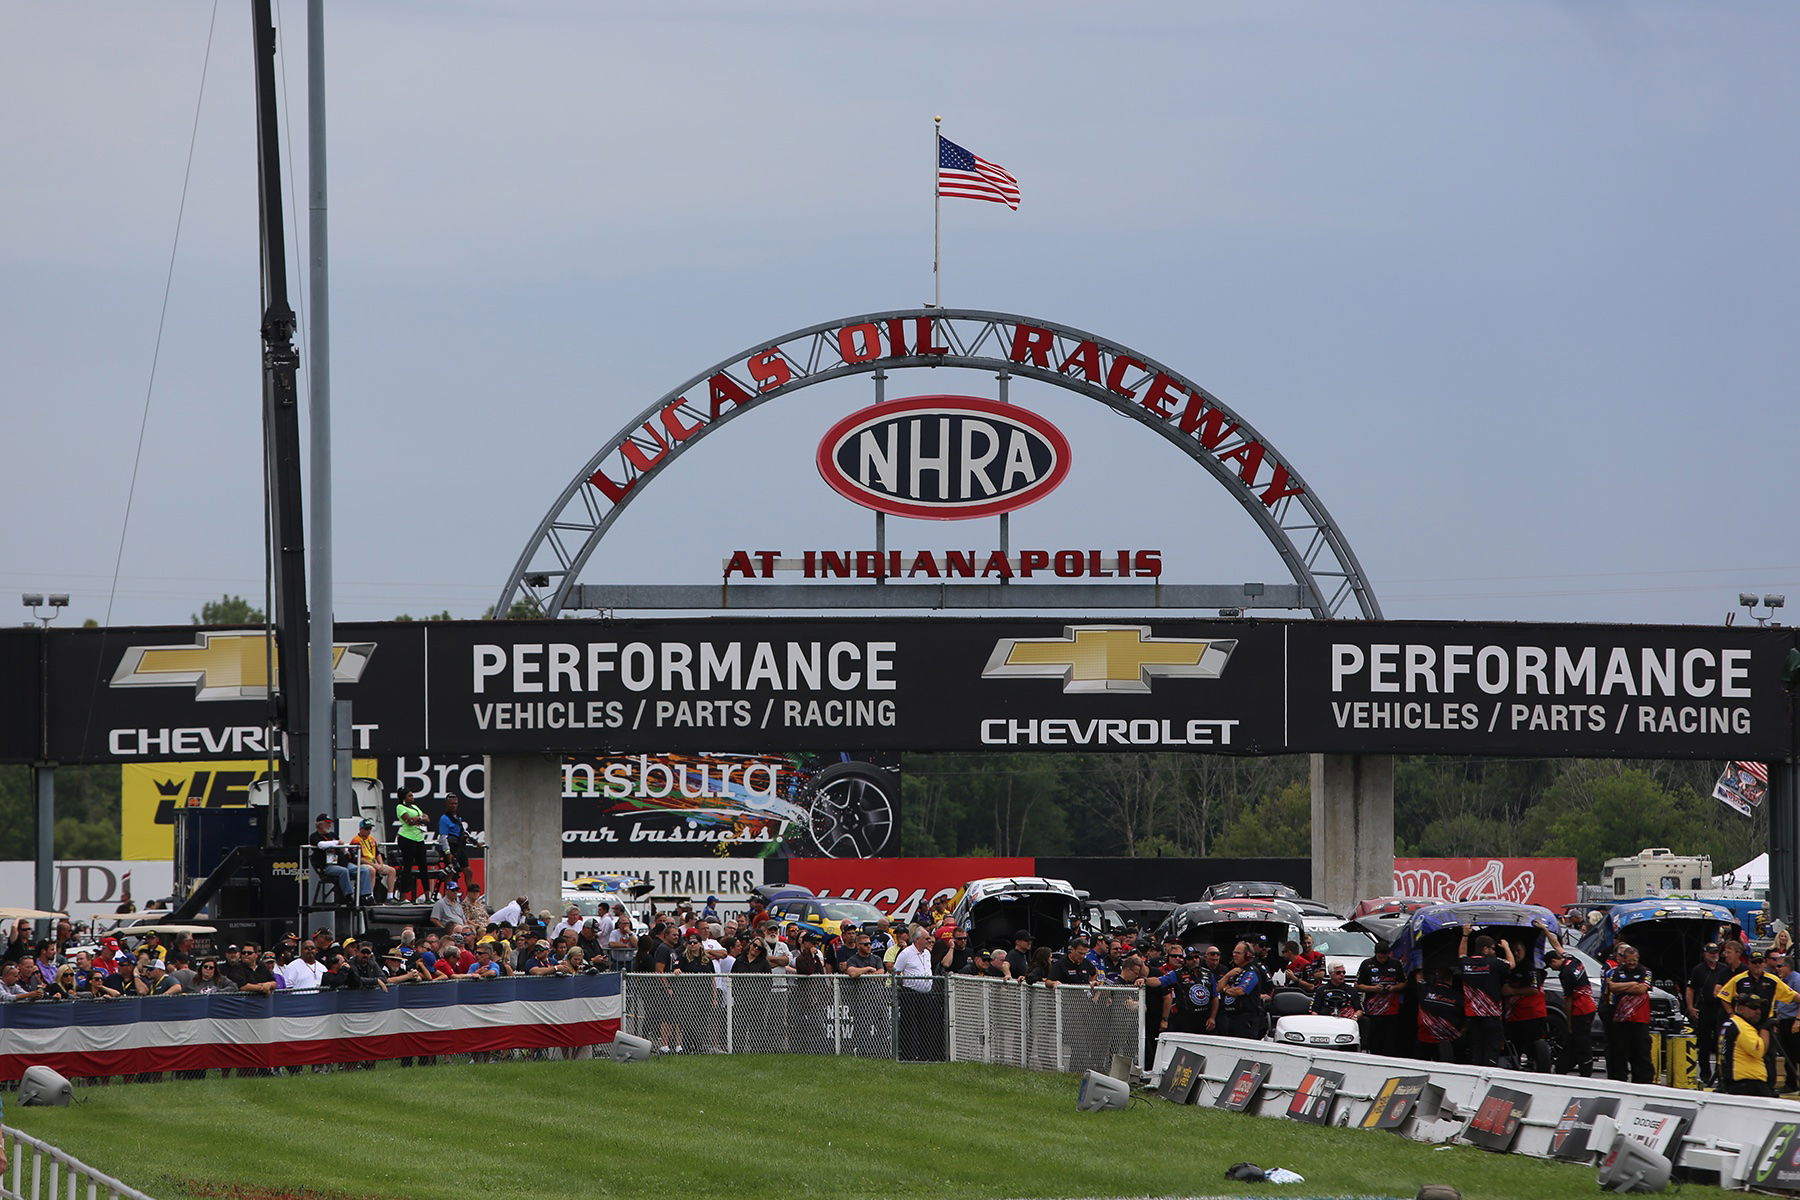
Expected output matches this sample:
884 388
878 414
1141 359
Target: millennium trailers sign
944 457
611 687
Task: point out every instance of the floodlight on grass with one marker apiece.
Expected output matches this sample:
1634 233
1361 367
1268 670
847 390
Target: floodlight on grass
1099 1092
1631 1166
43 1087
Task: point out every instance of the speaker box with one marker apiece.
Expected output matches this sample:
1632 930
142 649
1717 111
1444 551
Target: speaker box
626 1048
1099 1092
1631 1166
42 1086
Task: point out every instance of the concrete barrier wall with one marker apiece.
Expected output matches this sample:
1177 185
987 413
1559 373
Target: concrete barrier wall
1727 1135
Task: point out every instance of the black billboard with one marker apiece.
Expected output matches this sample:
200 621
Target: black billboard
21 688
747 685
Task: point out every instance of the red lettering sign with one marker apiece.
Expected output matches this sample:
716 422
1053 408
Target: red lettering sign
899 886
1550 882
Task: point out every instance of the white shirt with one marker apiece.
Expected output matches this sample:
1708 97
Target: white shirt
914 966
510 911
779 950
560 928
722 969
303 974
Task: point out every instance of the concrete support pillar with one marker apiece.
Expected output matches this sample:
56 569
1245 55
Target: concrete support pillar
524 829
1352 827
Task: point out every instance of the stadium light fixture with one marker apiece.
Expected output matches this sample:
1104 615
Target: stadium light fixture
35 601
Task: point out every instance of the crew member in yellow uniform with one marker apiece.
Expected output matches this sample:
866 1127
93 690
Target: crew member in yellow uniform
368 854
1755 983
1743 1069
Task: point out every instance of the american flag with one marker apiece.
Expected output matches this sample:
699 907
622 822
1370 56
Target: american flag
967 176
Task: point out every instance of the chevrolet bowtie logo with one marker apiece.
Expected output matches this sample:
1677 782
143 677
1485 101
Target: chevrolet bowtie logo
226 666
1108 658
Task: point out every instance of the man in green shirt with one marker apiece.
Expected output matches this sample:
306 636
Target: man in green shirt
411 845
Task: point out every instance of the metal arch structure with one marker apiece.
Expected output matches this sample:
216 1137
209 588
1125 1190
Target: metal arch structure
1134 385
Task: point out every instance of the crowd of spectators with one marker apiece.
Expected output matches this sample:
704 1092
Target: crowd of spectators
71 964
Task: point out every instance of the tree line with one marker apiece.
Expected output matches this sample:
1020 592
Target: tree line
1188 805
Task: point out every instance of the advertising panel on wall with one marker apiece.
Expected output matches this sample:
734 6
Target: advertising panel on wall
749 686
902 886
1550 882
89 888
839 804
730 879
1418 687
898 885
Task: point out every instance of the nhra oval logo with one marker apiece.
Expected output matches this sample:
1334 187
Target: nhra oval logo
943 458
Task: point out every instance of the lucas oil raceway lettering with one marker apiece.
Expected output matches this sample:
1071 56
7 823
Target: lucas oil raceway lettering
742 685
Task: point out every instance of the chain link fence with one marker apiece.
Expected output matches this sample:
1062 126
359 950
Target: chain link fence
1043 1028
954 1018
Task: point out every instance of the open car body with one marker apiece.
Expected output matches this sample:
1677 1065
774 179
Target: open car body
992 910
1113 916
1383 906
1249 889
1431 935
1225 923
1668 934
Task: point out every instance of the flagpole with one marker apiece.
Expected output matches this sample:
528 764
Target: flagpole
937 211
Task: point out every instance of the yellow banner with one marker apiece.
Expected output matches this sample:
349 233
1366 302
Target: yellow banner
149 794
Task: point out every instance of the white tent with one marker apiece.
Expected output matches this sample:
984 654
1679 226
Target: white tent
1753 874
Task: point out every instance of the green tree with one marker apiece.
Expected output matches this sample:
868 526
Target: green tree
229 610
525 608
87 813
443 616
1275 826
1616 815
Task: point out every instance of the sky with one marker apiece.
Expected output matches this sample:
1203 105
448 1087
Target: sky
1510 284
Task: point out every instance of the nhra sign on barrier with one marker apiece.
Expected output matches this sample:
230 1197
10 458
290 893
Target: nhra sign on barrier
732 684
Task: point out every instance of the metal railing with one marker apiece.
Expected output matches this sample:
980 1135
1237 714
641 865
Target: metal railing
55 1175
944 1018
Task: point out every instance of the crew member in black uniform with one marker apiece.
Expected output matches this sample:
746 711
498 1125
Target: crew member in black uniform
1579 1005
1440 1013
1527 1012
1190 997
1483 977
1628 1037
1240 1002
1704 1008
1380 981
1336 997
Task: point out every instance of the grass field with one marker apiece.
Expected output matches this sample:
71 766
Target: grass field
741 1127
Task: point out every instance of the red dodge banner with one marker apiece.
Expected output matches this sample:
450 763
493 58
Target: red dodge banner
900 885
1546 881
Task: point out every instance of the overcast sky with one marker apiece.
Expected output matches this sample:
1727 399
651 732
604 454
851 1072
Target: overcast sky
1511 284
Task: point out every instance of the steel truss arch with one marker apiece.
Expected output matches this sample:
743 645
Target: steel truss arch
1268 487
